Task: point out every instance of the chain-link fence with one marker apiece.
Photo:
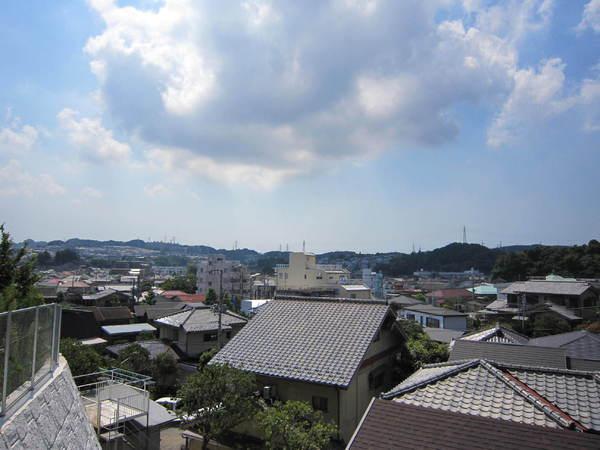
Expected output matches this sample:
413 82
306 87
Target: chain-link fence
29 345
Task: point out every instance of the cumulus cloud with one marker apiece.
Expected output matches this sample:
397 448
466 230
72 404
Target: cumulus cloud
15 181
257 91
16 138
93 140
539 94
590 19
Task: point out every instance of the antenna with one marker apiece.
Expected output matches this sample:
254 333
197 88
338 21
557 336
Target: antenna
464 234
279 247
303 246
413 250
287 247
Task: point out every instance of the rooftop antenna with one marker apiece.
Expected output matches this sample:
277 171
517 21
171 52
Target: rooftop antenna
413 247
464 234
303 246
279 247
287 247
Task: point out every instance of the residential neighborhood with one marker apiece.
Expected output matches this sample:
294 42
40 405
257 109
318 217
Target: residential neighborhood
292 225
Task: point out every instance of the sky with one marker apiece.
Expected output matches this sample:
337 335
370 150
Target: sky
364 125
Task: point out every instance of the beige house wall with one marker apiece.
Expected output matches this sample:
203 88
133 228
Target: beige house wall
302 272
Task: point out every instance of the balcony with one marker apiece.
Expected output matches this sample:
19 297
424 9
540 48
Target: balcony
29 346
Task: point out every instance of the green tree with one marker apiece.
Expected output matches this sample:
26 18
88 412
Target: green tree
211 297
66 256
164 372
205 357
135 358
82 359
548 324
17 276
295 425
420 349
219 397
185 283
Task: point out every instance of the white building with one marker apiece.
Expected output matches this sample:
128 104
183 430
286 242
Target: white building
433 317
303 273
251 306
235 278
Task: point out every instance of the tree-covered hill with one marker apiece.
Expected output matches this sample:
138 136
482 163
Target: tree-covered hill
580 261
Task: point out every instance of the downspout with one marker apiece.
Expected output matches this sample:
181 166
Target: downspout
338 413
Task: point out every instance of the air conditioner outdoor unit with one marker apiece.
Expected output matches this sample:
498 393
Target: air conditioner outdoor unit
269 392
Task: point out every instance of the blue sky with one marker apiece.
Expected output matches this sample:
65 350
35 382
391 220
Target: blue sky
351 124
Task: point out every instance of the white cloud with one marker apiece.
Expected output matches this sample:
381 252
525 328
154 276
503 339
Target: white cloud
539 94
257 91
15 181
16 138
156 190
590 19
93 140
91 193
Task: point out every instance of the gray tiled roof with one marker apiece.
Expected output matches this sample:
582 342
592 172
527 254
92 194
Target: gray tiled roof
548 287
310 340
442 334
579 344
556 398
509 353
497 334
201 319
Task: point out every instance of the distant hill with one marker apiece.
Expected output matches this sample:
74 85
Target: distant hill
455 257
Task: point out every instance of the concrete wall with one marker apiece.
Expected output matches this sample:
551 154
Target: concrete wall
303 272
53 417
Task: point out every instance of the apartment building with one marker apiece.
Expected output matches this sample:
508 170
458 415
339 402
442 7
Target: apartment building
235 277
304 274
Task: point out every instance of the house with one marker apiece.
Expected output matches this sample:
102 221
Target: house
215 271
498 334
449 296
509 353
435 317
303 275
195 331
126 332
582 348
354 291
106 297
393 425
251 306
485 290
575 300
112 315
402 301
154 348
441 335
334 354
552 398
149 313
84 323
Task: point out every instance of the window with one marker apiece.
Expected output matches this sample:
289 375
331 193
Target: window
376 379
210 283
319 403
210 337
432 323
305 276
319 276
410 316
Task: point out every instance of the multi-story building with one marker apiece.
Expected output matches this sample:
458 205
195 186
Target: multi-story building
235 278
304 274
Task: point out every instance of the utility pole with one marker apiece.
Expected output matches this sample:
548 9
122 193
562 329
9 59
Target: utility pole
220 305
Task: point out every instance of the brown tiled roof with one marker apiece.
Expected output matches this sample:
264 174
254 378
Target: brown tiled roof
392 425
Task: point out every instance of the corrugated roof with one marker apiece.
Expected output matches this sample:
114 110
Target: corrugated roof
312 340
393 425
509 353
130 328
555 398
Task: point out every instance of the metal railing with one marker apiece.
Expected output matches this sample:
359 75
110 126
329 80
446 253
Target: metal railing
29 348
